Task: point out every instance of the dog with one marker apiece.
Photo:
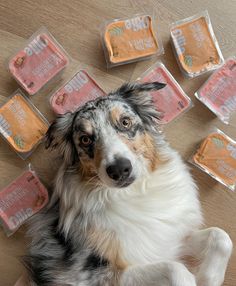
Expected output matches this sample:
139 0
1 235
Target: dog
125 209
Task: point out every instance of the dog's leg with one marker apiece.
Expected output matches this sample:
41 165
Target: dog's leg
159 274
213 248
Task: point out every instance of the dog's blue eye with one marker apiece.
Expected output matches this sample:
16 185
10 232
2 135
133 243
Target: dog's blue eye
85 140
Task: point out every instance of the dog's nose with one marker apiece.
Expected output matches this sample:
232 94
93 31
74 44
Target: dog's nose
120 169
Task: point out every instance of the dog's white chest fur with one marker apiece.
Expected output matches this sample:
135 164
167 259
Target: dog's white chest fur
152 219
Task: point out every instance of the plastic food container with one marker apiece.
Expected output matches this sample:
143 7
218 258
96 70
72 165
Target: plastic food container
171 100
38 62
21 124
195 45
75 92
130 39
219 92
24 197
217 157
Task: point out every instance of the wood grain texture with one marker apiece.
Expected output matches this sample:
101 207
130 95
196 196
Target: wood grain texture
75 24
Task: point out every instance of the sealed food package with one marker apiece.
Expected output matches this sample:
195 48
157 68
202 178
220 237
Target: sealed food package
21 124
24 197
170 100
219 92
195 45
75 92
217 157
38 62
130 39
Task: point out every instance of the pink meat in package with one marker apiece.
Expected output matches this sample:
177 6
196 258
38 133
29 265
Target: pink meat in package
76 92
171 100
20 200
38 62
219 91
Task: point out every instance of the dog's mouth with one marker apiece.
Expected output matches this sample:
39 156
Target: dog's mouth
125 183
119 184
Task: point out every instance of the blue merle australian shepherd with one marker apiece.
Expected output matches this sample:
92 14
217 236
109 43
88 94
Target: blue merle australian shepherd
125 209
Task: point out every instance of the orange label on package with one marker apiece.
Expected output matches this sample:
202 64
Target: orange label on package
217 154
195 47
20 125
130 39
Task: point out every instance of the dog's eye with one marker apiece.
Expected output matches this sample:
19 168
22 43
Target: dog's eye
126 122
85 140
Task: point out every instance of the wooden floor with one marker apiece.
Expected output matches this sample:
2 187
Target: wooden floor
75 24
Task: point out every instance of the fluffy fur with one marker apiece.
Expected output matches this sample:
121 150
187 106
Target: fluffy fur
131 231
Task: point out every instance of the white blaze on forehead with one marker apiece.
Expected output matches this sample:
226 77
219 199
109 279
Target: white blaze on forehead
113 146
111 143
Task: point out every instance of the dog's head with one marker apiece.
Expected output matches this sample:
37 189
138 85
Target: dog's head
110 140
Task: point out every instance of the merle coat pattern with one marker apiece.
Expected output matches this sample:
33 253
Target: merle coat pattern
106 228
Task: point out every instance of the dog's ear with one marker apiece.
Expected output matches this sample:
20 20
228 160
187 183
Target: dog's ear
60 136
139 97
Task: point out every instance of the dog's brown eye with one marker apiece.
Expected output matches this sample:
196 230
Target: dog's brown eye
85 140
126 122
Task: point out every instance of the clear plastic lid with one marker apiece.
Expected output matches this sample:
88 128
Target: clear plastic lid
216 156
21 124
75 92
130 39
21 199
195 45
218 93
171 100
39 61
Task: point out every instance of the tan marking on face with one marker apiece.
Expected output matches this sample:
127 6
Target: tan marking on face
150 152
87 171
108 246
116 113
90 167
87 126
144 144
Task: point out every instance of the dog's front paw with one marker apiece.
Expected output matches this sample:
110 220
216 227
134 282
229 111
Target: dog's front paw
181 276
217 279
205 280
